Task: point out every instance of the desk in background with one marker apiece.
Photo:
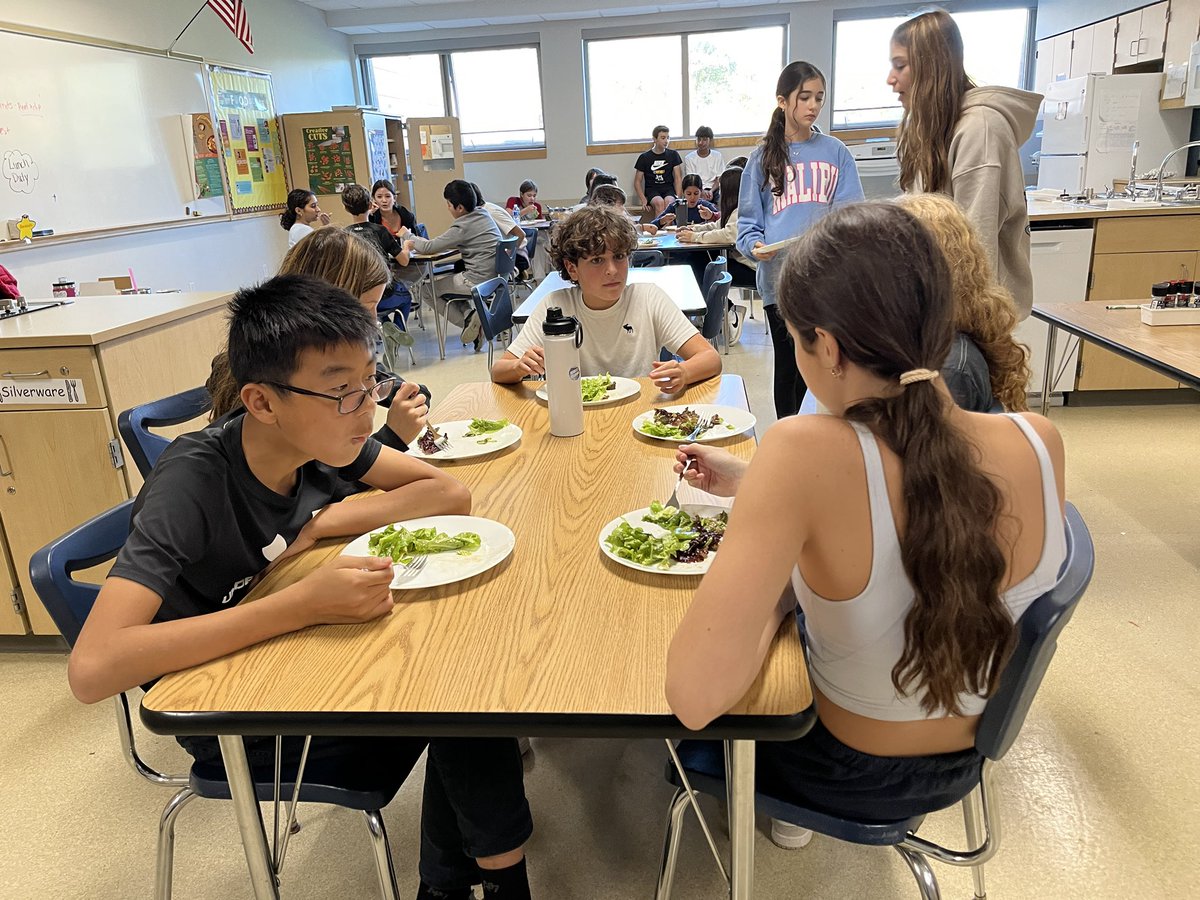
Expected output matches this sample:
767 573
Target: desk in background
678 281
556 640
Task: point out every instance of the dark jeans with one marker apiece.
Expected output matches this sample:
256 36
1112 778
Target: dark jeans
474 801
789 385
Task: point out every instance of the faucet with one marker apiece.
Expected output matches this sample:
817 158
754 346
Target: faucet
1162 167
1131 187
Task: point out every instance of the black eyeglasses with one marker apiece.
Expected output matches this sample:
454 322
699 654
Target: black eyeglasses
349 402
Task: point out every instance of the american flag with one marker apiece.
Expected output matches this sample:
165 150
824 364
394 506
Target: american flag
233 14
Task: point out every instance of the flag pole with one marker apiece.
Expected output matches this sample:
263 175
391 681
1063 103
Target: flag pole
186 27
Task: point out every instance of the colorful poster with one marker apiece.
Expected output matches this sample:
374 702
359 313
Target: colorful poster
204 139
256 179
206 163
208 178
377 151
329 158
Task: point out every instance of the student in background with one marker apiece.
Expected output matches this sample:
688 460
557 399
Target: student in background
612 196
962 140
794 177
914 541
507 227
393 216
225 504
357 202
474 234
588 177
705 161
301 214
624 325
525 205
658 173
355 265
986 365
738 162
723 231
691 208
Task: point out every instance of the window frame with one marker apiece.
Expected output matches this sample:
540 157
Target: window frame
595 36
951 6
449 98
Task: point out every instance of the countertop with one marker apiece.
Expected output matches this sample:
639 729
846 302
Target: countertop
95 320
1053 210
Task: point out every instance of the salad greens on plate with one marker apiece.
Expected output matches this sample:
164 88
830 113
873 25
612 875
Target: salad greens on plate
485 426
686 539
596 388
402 545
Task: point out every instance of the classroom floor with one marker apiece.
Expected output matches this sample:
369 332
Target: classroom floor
1098 797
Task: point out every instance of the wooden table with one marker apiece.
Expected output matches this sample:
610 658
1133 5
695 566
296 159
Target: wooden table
1172 350
556 640
678 281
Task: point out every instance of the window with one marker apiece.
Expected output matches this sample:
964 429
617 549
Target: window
463 84
636 83
995 47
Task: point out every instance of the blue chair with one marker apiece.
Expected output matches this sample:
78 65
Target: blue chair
506 262
716 302
1037 639
134 424
69 603
643 259
493 305
714 268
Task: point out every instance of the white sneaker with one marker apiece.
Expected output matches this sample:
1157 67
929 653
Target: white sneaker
789 837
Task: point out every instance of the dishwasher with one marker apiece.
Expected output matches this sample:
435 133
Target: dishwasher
1061 259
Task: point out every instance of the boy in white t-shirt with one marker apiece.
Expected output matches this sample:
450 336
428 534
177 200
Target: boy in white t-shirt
705 161
624 325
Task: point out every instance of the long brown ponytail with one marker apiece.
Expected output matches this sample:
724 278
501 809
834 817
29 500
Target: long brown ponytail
775 162
896 317
939 81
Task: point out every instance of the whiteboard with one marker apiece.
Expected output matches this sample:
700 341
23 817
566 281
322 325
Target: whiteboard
91 137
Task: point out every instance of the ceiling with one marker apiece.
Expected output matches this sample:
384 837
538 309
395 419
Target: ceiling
393 16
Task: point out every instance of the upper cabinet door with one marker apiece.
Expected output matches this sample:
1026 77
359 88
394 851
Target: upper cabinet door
1153 38
1081 51
1129 34
1104 38
1061 65
1044 66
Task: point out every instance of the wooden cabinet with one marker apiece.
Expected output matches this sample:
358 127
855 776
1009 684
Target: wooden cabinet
1130 254
435 156
364 147
61 462
1142 35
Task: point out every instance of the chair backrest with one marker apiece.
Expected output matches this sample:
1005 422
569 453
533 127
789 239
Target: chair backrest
146 447
711 271
98 289
98 540
506 255
531 235
422 230
641 259
493 305
1037 639
714 305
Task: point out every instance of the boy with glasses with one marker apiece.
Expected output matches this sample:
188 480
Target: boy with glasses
262 483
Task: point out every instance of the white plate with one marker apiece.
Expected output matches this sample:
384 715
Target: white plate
740 420
495 543
644 243
463 447
635 520
625 387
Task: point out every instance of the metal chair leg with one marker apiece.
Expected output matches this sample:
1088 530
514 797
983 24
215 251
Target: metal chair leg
919 866
166 843
972 817
383 855
670 855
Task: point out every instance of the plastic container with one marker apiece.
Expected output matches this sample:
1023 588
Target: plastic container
63 288
562 337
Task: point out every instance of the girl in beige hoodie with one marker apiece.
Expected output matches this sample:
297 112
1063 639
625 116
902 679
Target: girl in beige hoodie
962 140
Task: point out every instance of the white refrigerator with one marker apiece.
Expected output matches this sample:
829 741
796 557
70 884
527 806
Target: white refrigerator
1089 125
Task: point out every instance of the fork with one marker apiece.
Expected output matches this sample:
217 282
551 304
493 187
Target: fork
702 426
444 444
674 501
409 571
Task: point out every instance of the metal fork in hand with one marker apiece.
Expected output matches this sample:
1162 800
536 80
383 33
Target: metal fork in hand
409 571
702 426
674 499
444 444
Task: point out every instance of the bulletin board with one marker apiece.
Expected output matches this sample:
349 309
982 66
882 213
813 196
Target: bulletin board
248 135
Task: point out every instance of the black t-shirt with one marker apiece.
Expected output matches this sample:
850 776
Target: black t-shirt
204 526
380 237
407 219
658 170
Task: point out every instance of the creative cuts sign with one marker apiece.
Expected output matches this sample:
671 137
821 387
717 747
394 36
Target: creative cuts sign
52 392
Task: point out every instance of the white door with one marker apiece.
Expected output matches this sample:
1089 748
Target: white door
1061 66
1063 173
1153 37
1104 40
1060 259
1129 32
1064 119
1045 65
1081 51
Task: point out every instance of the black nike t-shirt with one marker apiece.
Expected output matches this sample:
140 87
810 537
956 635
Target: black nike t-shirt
658 170
204 526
